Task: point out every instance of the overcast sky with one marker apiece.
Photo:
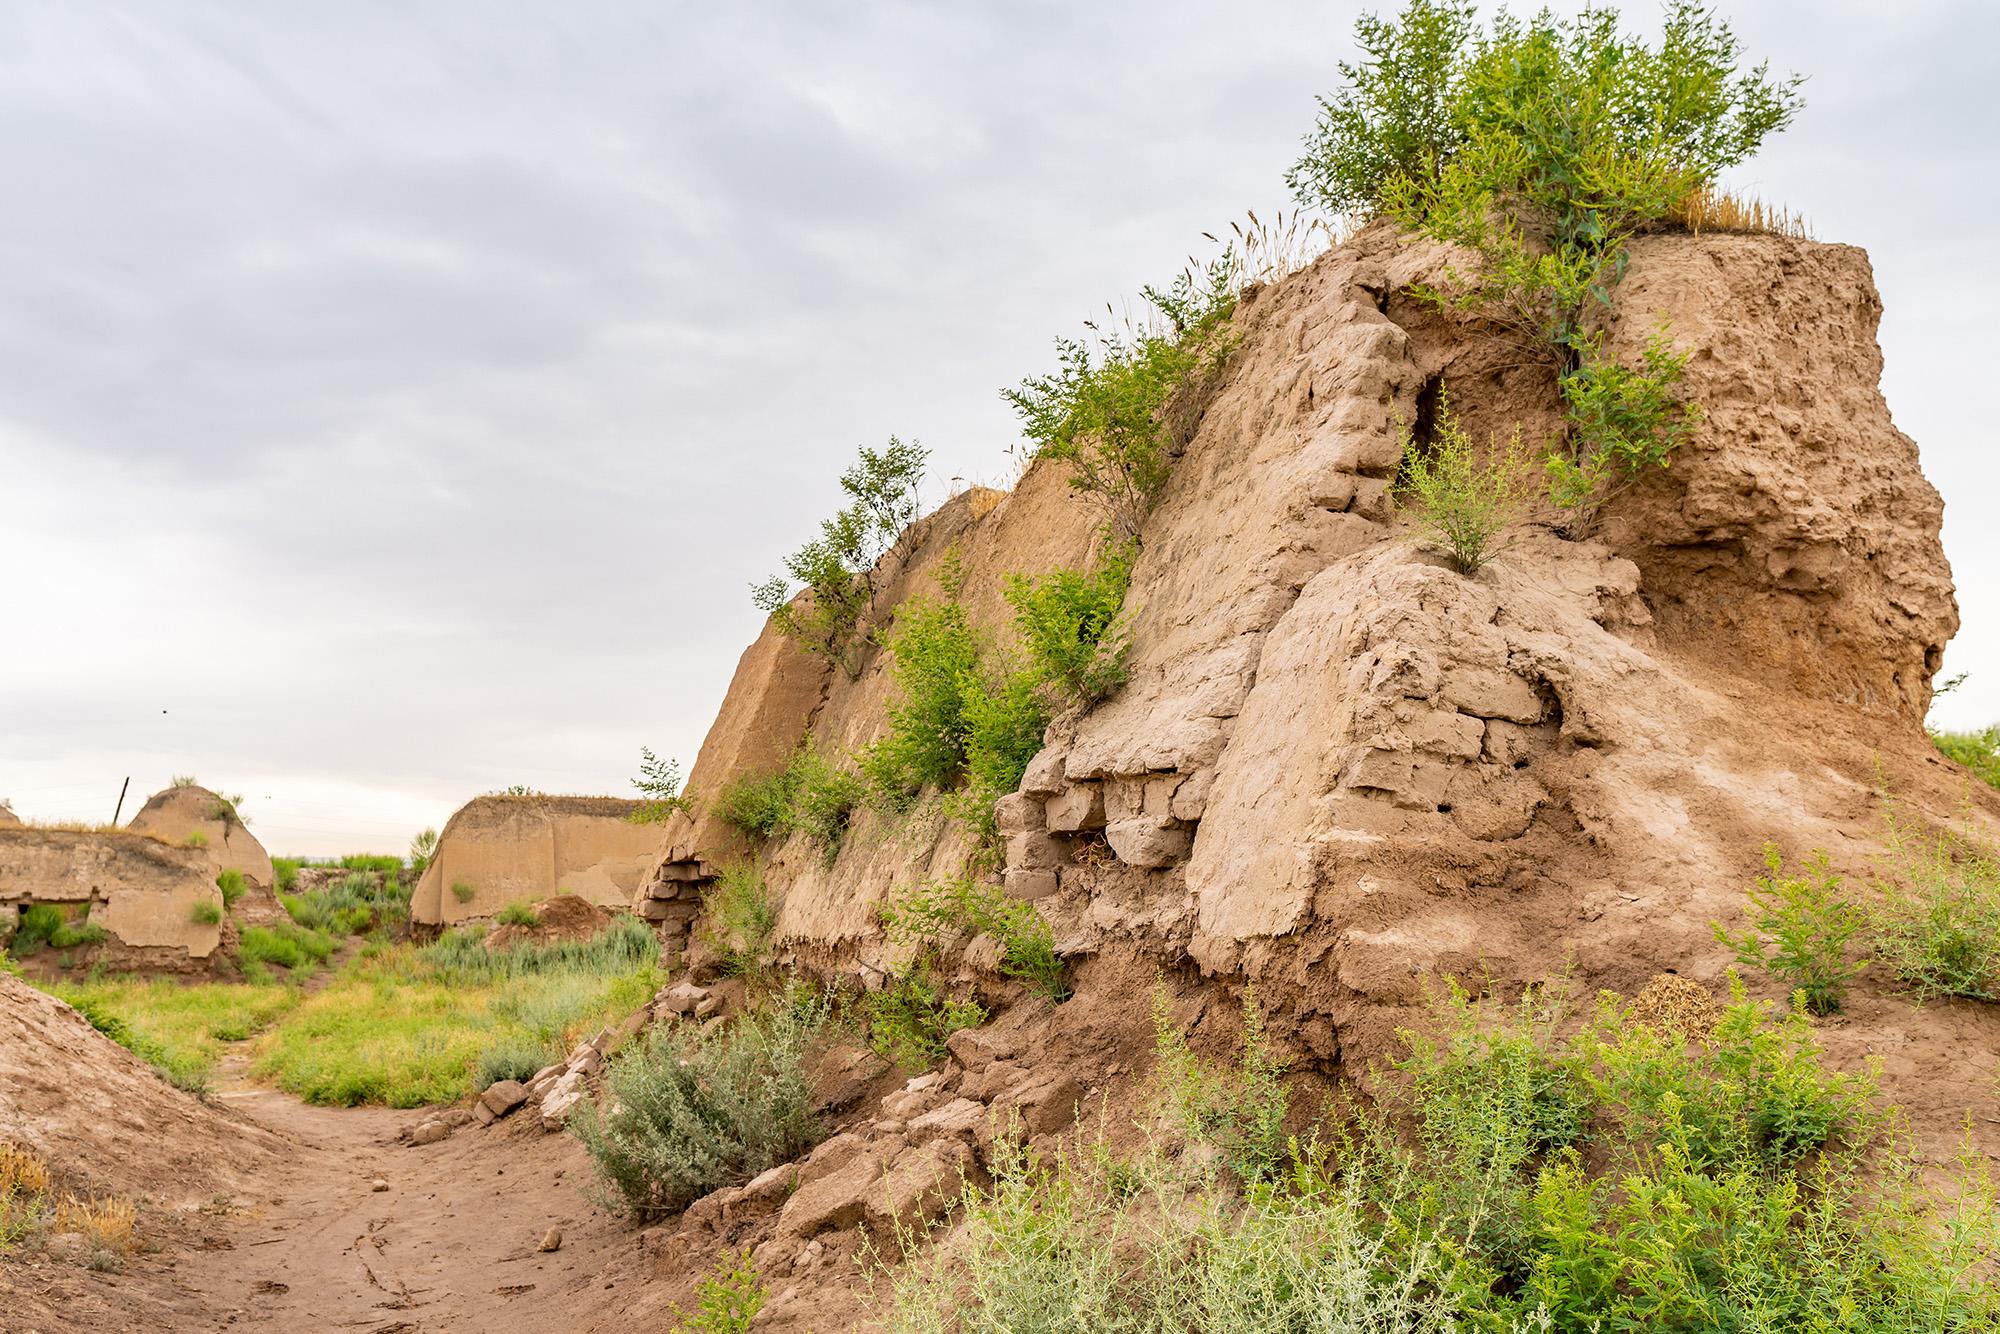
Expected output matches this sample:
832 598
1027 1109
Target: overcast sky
397 400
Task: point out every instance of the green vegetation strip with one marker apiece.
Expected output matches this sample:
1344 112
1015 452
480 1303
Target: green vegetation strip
408 1026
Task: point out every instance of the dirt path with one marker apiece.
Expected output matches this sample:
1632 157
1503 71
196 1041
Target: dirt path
361 1231
348 1227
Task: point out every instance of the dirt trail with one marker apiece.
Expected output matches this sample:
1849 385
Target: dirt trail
348 1227
361 1231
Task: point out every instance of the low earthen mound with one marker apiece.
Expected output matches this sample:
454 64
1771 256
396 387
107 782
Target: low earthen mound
103 1120
503 848
564 917
180 813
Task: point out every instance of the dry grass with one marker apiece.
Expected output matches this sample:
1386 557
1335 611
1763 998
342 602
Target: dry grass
1266 252
90 827
21 1172
1712 209
107 1224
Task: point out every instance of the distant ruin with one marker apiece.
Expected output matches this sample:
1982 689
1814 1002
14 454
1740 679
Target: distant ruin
505 848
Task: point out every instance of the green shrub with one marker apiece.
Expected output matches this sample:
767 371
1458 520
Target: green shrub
46 924
692 1110
741 917
909 1019
286 869
810 795
33 929
1977 751
1239 1111
518 914
197 839
1027 945
1802 928
1069 624
463 891
659 782
1508 1189
726 1300
754 803
837 568
1121 413
937 665
206 914
1396 117
1936 919
1460 500
286 945
231 883
1544 145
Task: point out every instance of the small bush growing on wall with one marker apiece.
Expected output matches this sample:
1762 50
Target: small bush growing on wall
1070 624
1109 410
1462 500
837 568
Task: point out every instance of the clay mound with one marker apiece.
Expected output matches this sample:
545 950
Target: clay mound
102 1119
564 917
7 816
178 812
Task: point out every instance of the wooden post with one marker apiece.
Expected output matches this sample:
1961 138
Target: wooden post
121 799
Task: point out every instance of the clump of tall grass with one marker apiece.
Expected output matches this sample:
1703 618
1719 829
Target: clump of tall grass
1710 208
463 955
354 905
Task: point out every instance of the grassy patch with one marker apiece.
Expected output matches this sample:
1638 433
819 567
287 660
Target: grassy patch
297 949
518 914
180 1030
356 904
1527 1176
811 795
409 1026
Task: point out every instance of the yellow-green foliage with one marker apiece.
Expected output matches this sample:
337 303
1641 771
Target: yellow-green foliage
1935 921
1519 1182
231 883
1071 626
179 1029
909 1019
1462 498
1544 145
1027 944
727 1299
1978 751
1117 411
1803 924
659 781
407 1026
811 795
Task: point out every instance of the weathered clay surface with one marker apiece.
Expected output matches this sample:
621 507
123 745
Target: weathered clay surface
519 849
178 813
145 893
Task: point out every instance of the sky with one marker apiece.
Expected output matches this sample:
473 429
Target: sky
398 400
